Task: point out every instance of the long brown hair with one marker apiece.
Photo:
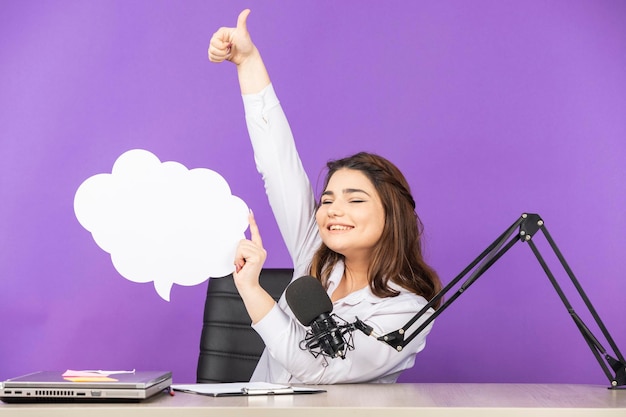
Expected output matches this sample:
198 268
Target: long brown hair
397 256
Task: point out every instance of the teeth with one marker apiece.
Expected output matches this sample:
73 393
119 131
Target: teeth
338 227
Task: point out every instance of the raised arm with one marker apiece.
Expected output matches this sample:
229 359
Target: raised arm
235 45
287 185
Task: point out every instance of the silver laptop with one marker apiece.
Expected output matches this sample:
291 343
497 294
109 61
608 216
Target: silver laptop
52 386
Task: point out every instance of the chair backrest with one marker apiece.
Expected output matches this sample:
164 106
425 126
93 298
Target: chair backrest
229 347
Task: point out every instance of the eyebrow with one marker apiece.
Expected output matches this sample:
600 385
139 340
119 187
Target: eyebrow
347 191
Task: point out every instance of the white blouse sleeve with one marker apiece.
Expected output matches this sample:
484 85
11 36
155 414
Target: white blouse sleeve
286 183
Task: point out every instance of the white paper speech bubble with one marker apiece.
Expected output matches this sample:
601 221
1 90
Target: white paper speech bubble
162 222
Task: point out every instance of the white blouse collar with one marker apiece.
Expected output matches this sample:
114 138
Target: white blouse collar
364 294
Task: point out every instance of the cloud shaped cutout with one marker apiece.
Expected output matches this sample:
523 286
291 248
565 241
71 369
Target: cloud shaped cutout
162 222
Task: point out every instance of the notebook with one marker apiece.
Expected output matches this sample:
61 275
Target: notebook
86 386
244 388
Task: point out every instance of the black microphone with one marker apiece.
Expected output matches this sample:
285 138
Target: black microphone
310 304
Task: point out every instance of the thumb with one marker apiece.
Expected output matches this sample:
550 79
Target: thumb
241 20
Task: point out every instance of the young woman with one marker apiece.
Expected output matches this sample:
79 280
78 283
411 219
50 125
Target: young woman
361 240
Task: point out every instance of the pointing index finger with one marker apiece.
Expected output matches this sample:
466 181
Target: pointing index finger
255 236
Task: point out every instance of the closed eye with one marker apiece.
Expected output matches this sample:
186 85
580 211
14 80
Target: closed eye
350 191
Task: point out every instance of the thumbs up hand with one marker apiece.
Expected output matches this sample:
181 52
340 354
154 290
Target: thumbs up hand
232 43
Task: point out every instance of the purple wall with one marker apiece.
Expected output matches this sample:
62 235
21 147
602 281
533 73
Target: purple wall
491 108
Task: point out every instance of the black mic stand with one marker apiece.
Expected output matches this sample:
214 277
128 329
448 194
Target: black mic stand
528 225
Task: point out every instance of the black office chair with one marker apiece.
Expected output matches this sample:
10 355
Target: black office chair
229 347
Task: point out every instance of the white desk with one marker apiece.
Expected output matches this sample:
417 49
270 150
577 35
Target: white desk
365 400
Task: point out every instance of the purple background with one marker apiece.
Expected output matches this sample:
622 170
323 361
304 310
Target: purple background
491 109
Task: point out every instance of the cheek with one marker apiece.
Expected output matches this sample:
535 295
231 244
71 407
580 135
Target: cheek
319 216
379 221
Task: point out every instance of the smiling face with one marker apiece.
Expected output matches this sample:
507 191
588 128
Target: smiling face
351 216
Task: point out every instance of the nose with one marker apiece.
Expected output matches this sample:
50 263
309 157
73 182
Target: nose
334 210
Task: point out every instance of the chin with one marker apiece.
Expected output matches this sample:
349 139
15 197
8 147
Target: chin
340 249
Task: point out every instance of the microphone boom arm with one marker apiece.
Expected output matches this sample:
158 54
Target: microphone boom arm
527 225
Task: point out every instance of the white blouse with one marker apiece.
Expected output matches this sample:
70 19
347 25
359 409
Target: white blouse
293 203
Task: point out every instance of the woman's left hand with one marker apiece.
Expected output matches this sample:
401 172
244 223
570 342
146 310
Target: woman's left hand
249 260
249 257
